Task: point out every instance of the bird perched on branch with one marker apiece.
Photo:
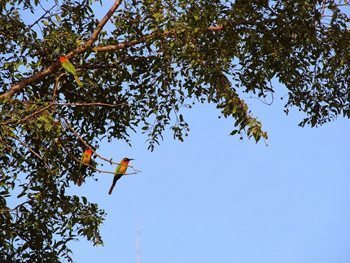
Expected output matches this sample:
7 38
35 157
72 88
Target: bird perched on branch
68 66
85 161
119 172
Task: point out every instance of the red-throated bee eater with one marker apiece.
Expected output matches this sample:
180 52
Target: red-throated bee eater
68 66
119 172
85 161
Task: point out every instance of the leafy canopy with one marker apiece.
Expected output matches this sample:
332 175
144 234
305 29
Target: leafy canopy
152 59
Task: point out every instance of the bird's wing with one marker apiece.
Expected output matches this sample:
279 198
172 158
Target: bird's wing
82 160
71 68
118 168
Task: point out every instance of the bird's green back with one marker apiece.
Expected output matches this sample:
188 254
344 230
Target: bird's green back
67 65
81 160
118 168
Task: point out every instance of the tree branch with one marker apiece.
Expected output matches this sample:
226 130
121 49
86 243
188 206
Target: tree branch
102 104
56 65
43 16
73 104
135 42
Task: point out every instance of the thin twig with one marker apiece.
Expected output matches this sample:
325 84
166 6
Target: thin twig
57 84
323 8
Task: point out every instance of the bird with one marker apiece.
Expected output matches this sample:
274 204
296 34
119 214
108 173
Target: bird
119 172
85 161
68 66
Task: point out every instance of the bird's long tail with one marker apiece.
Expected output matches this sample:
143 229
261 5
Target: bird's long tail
78 80
115 179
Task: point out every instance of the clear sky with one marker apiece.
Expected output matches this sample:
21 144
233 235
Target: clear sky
214 198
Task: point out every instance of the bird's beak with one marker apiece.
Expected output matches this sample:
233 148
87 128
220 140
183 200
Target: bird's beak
130 159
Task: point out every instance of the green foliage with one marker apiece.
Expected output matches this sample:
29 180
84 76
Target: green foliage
155 58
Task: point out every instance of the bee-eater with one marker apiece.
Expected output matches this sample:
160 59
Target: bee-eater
119 172
68 66
85 161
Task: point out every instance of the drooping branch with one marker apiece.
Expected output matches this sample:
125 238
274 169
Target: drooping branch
53 68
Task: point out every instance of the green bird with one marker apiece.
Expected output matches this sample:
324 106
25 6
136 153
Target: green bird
119 172
68 66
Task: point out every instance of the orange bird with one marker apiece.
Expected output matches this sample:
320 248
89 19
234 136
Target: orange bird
119 172
85 161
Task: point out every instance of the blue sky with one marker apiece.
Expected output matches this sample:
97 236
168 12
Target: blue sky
214 198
